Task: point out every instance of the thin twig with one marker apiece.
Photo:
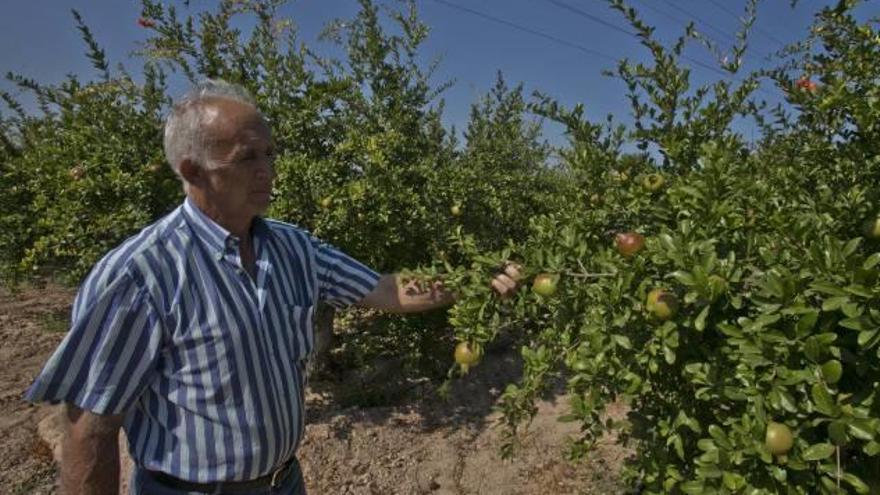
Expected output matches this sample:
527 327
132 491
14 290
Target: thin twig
837 450
588 275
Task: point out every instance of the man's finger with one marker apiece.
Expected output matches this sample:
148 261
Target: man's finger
506 281
500 287
512 271
504 285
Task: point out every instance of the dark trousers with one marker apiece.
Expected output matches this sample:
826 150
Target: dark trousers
143 484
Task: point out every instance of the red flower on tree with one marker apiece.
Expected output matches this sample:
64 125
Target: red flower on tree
805 84
145 23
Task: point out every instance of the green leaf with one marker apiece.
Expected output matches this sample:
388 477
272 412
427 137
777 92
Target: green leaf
720 437
872 448
733 481
706 445
851 310
857 323
851 246
773 284
779 473
736 301
708 461
807 322
684 278
692 191
622 341
765 320
675 440
872 261
834 303
816 346
866 338
818 452
861 429
787 401
667 242
734 394
668 355
693 487
692 423
822 400
700 321
860 290
729 330
709 471
827 288
837 432
856 483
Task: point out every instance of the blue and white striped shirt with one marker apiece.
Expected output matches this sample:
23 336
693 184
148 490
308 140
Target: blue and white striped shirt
206 363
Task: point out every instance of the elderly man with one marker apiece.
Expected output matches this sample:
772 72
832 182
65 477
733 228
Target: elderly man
192 335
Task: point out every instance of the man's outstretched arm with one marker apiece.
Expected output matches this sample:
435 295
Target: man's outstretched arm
90 453
392 296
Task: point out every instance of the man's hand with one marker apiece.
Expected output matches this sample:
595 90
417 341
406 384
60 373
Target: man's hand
393 296
90 453
505 283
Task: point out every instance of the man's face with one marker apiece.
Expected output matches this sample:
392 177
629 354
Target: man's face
240 156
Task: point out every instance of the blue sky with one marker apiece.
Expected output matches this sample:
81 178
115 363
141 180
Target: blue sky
40 41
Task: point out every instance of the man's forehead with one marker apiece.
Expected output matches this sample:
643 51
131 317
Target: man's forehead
229 120
214 110
210 114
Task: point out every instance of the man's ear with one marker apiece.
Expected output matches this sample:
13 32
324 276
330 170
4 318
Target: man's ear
192 172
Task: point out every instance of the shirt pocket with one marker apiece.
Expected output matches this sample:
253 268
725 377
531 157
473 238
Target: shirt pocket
300 337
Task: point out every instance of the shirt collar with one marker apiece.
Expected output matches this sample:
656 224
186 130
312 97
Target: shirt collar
218 238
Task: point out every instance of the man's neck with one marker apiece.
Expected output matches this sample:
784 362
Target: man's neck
235 224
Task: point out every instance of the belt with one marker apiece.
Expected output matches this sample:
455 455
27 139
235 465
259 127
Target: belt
272 481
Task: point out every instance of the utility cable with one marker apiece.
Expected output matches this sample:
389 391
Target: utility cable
525 29
593 18
763 32
576 46
702 21
647 5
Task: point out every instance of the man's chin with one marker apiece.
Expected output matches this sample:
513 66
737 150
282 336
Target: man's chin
260 206
261 199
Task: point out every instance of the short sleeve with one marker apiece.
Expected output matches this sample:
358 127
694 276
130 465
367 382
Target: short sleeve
342 280
110 354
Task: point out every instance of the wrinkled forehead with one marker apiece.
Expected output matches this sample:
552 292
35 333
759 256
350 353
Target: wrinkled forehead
227 121
223 112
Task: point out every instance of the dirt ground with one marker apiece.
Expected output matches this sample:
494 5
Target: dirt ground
423 445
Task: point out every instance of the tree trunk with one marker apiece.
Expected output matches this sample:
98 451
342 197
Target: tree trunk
323 337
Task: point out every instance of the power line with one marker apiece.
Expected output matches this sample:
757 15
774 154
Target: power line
675 18
764 32
646 5
576 46
525 29
694 61
710 25
672 17
590 16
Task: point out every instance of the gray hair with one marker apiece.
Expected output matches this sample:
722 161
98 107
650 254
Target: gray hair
184 138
